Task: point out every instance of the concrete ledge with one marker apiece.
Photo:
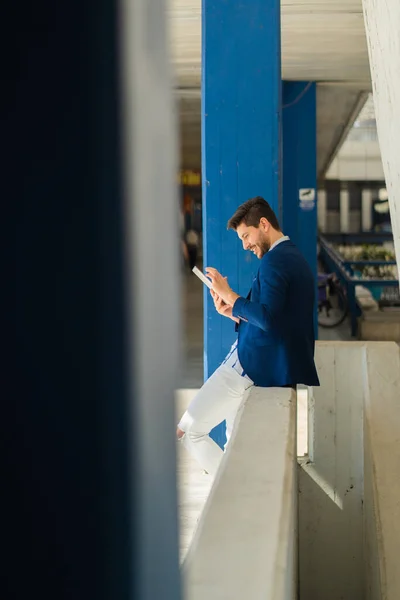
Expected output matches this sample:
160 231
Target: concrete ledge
380 326
246 543
382 471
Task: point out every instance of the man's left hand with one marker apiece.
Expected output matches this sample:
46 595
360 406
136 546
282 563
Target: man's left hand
221 286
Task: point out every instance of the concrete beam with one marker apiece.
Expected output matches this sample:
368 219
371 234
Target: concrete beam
337 109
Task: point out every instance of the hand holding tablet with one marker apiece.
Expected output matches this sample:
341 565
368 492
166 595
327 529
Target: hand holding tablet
202 277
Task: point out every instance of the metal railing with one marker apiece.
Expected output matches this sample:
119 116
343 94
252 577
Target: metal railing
345 268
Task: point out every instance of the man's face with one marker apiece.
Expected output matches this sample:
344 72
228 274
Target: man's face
255 239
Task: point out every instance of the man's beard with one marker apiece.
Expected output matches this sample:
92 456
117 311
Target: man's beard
265 245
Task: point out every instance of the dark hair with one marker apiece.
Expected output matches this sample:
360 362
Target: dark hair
251 212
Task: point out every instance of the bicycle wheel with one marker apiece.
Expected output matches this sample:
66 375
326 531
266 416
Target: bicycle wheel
333 311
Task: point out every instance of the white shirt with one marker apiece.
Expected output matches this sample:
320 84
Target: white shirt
284 238
232 360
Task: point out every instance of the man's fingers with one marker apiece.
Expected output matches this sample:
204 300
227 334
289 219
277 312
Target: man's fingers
214 275
211 272
217 301
215 296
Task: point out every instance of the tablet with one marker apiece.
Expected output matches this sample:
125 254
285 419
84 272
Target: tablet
203 278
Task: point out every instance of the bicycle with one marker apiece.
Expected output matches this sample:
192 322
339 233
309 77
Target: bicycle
332 301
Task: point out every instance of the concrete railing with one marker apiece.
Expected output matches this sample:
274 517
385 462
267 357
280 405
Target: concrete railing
246 543
349 485
346 527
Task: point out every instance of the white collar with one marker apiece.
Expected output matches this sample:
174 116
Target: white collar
284 238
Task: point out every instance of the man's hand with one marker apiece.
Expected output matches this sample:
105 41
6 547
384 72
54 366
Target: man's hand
221 286
222 308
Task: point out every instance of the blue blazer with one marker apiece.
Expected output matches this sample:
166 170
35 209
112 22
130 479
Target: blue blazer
276 338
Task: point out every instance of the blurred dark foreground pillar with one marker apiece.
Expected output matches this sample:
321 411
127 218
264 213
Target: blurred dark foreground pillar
89 490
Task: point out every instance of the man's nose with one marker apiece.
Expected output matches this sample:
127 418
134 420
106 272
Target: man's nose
245 244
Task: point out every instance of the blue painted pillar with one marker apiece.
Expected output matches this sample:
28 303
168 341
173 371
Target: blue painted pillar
299 172
241 107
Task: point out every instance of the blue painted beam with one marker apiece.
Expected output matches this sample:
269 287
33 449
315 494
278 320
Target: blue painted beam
241 108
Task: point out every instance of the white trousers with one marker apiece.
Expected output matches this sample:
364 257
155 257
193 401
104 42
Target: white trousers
219 399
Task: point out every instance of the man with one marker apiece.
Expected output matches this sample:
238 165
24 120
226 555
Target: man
275 325
192 242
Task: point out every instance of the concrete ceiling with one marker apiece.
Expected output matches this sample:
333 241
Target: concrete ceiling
322 40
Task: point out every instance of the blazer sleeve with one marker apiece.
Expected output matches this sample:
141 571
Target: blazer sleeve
273 290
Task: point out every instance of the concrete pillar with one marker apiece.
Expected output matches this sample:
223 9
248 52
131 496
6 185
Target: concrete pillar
299 172
88 419
321 210
149 132
241 105
366 208
382 25
344 210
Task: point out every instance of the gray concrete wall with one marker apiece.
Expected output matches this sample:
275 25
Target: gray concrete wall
349 488
382 25
382 472
331 481
246 543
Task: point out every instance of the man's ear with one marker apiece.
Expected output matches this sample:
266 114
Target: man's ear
265 224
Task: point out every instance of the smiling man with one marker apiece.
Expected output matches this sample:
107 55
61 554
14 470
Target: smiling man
275 325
